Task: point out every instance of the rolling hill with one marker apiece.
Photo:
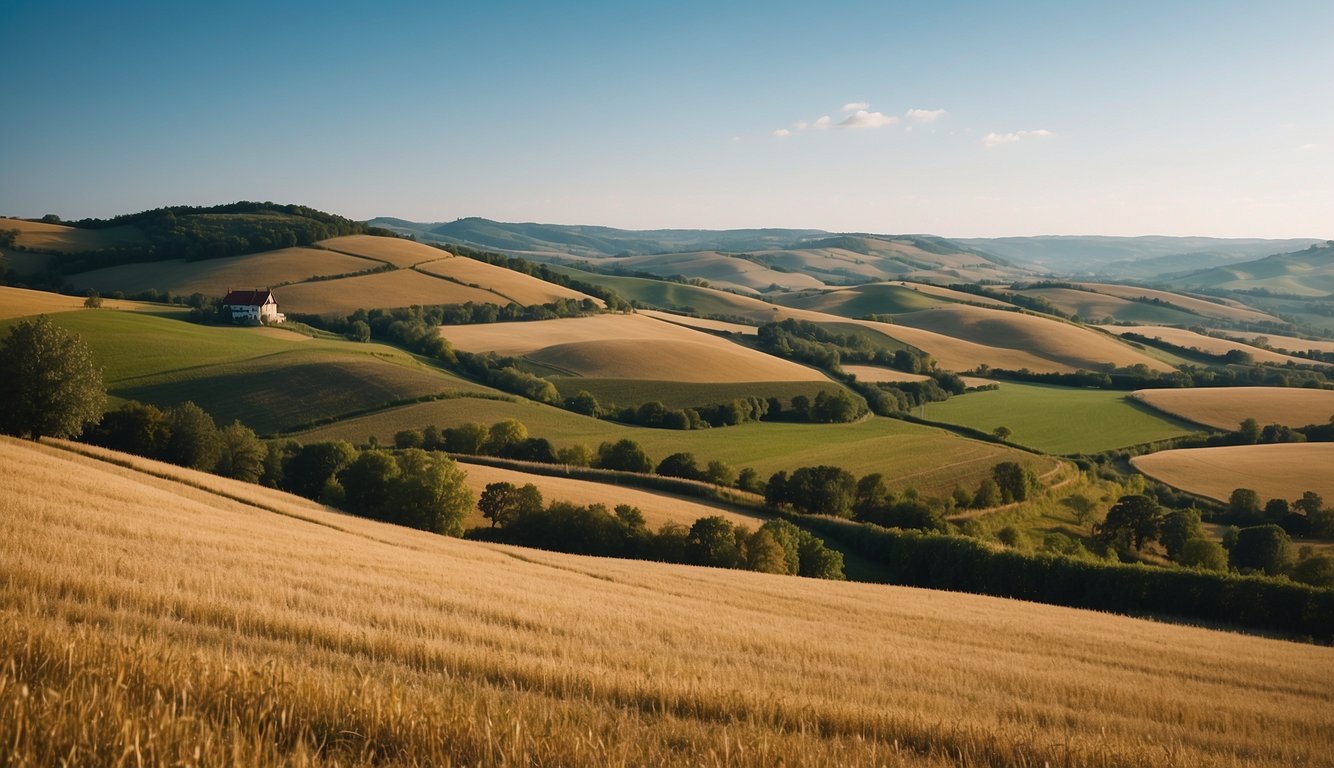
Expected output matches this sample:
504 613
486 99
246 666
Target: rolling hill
1280 471
1212 345
1226 407
189 619
1308 272
1128 257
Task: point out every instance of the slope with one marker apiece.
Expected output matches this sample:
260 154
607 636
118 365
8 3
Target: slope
1309 272
242 626
1280 471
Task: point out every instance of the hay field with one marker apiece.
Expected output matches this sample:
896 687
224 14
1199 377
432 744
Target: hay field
628 346
506 284
1062 343
700 323
1214 346
953 295
1227 407
24 302
692 298
1059 420
862 300
658 508
909 455
1098 307
1280 471
384 290
145 620
1285 343
214 277
400 252
41 236
1232 312
876 373
721 269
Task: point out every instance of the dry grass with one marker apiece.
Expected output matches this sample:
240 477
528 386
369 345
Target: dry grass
391 250
1227 407
1233 312
953 295
876 373
1061 344
1098 307
1282 471
700 323
507 284
22 302
658 508
1287 343
213 277
57 237
1192 340
723 270
628 346
385 290
143 621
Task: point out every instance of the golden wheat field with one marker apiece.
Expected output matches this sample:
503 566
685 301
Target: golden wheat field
1061 343
507 284
214 277
658 508
1209 344
390 250
1227 407
150 621
385 290
1281 471
41 236
1231 311
941 292
1285 343
700 323
22 302
880 373
628 346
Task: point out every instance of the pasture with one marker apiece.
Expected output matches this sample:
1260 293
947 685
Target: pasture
214 277
214 622
1059 420
1280 471
862 300
1226 407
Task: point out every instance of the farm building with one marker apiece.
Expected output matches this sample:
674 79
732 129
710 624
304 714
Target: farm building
256 306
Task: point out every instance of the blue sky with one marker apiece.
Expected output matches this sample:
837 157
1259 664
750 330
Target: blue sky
962 119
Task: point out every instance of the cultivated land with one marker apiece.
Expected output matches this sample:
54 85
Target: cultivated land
390 250
1100 307
658 508
630 347
507 285
41 236
387 290
1063 344
879 298
1210 344
723 270
1060 420
878 373
21 302
214 277
1280 471
929 459
1285 343
1227 407
145 617
1232 312
701 324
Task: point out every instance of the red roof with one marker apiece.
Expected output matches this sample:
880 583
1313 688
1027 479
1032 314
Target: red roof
256 298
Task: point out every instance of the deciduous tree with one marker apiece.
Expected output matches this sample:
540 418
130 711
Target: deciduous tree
49 383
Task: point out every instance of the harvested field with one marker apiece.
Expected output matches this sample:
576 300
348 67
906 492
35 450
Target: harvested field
953 295
1285 343
1279 471
507 285
1208 344
1230 312
392 250
40 236
863 300
1227 407
658 508
700 323
685 394
214 277
1062 344
22 302
875 373
630 347
1099 307
228 624
383 290
953 354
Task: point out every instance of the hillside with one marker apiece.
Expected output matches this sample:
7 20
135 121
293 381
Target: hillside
1128 257
1212 345
1280 471
1229 311
1226 407
251 627
1308 272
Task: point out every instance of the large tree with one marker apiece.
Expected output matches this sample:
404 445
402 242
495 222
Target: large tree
49 383
1132 519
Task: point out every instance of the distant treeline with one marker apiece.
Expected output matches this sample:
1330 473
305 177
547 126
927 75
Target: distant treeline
1140 376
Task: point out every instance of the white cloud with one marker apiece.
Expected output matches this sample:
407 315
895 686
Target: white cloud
925 115
781 132
855 106
823 122
997 139
863 119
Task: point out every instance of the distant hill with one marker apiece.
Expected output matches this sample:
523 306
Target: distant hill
1129 257
1308 272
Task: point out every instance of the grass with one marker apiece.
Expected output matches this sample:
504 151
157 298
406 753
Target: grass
508 285
213 277
390 250
680 394
1212 345
1227 407
676 296
1282 471
385 290
147 621
23 302
1059 420
929 459
1097 307
1188 304
879 299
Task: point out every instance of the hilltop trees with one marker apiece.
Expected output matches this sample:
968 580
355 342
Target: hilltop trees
49 383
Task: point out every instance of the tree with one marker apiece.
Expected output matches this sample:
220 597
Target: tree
1244 502
719 473
368 484
432 494
584 403
1082 506
1249 432
133 428
312 466
1132 519
822 490
765 554
749 480
498 503
712 542
680 465
1261 548
466 439
578 455
1203 554
988 494
1014 481
1309 504
624 455
49 384
1317 570
1276 510
1180 526
504 435
1001 433
94 300
195 441
241 454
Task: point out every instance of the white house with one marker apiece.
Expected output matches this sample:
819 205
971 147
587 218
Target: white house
257 306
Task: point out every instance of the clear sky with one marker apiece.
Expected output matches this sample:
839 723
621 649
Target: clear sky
954 118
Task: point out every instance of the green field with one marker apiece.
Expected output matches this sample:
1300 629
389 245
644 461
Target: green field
865 300
680 394
929 459
269 379
1059 420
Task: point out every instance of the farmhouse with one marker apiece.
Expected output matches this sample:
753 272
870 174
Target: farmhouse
256 306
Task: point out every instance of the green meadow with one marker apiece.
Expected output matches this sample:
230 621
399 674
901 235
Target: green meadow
1059 420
